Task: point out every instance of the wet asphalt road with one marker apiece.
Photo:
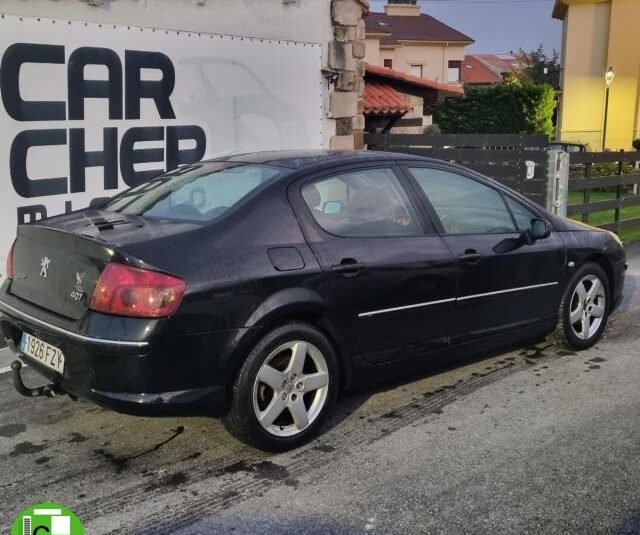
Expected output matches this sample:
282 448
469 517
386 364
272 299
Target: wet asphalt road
532 441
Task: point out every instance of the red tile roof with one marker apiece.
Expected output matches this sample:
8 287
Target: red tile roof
408 28
409 79
498 63
475 72
383 100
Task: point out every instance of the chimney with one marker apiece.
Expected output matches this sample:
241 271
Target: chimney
402 8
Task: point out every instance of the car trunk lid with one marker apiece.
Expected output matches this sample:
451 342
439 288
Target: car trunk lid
57 270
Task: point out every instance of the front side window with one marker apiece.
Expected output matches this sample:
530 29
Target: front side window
200 192
361 204
522 215
463 205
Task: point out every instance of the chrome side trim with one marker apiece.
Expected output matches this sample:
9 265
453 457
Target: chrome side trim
70 334
396 309
451 300
510 290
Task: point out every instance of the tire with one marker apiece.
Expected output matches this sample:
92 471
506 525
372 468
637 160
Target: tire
292 371
584 309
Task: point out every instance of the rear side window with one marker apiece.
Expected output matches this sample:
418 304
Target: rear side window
201 192
463 205
361 204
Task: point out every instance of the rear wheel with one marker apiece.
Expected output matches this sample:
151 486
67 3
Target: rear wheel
284 389
584 309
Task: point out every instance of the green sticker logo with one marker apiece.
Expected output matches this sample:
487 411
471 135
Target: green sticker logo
47 519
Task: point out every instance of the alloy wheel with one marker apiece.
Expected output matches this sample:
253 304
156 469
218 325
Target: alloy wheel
588 307
291 388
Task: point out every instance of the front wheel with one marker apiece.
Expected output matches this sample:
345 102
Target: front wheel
284 389
584 309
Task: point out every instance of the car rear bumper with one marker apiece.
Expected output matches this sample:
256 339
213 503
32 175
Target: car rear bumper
132 376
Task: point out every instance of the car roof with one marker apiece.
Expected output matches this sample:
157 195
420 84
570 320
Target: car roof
306 159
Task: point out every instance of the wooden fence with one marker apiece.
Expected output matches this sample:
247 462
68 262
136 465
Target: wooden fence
612 178
518 161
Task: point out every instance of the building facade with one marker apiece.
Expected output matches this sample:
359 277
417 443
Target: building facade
406 40
598 34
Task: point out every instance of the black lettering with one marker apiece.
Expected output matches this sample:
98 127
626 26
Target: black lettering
33 213
158 90
177 156
41 528
80 88
14 57
129 156
22 184
80 159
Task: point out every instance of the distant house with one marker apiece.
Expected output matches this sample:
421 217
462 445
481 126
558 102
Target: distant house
399 101
406 41
487 69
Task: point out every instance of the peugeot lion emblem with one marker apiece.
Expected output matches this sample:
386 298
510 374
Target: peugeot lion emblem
79 279
44 267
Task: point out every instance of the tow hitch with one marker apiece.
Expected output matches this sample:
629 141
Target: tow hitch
50 390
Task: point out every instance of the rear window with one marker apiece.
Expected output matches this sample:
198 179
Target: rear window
201 192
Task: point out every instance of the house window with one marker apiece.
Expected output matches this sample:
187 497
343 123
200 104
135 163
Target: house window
454 71
416 70
388 63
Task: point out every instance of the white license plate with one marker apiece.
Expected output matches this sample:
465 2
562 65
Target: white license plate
49 355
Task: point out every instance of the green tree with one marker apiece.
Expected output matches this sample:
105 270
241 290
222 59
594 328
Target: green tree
536 67
511 108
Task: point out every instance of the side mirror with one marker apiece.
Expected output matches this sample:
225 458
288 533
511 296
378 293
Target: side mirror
98 202
540 229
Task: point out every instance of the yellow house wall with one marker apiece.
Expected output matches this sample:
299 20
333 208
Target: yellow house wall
598 35
585 62
624 56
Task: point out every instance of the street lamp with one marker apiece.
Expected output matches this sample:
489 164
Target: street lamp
608 77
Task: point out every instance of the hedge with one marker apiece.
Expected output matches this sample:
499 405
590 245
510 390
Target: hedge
499 109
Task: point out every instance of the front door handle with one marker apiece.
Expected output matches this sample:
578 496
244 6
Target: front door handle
348 267
470 257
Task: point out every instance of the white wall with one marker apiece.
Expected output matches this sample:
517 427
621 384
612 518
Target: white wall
307 21
301 20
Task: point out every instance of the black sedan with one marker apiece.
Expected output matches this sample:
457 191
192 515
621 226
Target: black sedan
264 284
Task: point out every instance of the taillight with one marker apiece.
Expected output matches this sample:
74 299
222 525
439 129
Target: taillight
140 293
9 270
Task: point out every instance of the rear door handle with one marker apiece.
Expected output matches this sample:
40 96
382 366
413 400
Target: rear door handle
470 257
348 267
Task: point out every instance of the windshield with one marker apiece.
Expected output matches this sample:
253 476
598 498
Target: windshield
200 192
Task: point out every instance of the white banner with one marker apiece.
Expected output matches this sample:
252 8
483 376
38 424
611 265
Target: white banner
90 109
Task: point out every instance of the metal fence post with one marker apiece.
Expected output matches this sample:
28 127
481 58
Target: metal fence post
552 178
562 195
558 183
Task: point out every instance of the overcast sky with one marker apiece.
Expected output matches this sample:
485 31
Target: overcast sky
498 26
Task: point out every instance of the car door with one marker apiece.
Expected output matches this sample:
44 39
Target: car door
391 277
498 290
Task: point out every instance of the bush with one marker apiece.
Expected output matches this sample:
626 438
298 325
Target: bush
499 109
636 144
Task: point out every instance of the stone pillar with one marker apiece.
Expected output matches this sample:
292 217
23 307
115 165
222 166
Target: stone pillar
346 53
